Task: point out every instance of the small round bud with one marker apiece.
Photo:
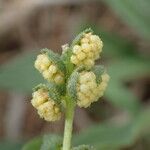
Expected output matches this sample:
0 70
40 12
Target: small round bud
39 97
74 59
42 62
86 47
81 56
84 40
49 111
76 49
52 69
58 78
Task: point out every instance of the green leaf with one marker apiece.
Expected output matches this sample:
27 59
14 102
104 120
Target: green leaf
83 147
51 142
72 84
34 144
98 71
135 13
19 74
55 58
109 136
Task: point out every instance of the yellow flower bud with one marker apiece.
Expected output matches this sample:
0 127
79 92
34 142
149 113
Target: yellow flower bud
58 78
88 91
52 69
86 47
48 69
42 62
76 49
81 56
87 51
89 62
49 111
45 106
74 59
39 97
84 40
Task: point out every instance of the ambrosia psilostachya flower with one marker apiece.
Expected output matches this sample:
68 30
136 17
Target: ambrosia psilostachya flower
73 74
46 106
87 49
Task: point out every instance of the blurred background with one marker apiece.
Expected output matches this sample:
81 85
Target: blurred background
121 119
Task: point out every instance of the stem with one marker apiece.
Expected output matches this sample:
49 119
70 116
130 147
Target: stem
68 125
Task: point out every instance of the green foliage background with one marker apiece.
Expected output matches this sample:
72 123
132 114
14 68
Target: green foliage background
124 63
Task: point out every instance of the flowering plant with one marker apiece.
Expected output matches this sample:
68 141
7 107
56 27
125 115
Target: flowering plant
73 80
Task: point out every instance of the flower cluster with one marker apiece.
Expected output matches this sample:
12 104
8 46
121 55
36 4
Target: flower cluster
72 74
88 90
45 106
87 51
48 69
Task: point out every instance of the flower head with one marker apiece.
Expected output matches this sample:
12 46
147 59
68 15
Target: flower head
48 69
46 107
88 91
87 51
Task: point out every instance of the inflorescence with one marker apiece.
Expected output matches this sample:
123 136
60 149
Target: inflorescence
88 85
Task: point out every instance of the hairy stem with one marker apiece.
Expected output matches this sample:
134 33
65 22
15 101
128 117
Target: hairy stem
68 125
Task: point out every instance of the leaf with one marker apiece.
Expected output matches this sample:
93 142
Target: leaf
34 144
109 136
135 13
51 142
20 74
72 84
98 71
55 58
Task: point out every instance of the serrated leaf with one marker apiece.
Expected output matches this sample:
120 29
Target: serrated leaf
79 36
83 147
72 84
51 142
34 144
55 58
98 71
